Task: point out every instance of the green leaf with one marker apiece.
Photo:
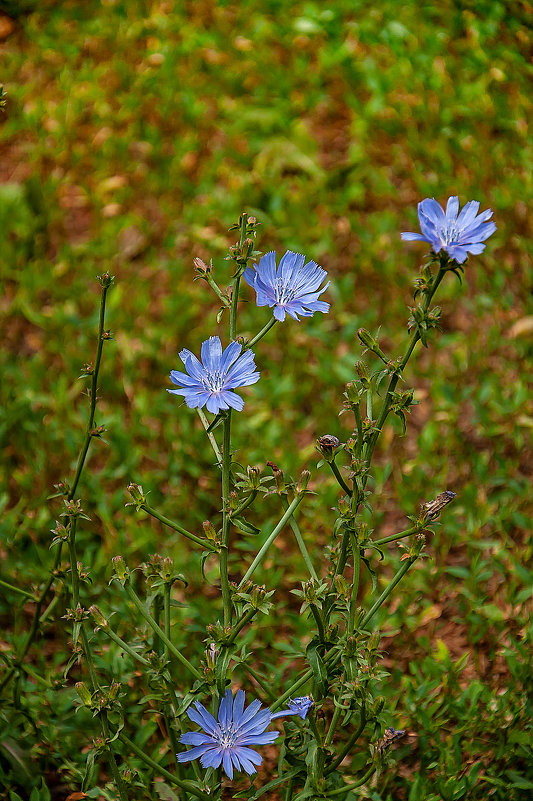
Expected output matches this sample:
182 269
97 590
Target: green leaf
316 664
270 786
244 526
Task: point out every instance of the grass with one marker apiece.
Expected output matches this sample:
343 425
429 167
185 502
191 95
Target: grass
134 135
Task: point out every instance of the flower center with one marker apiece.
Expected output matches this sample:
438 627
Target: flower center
226 737
214 381
450 235
283 290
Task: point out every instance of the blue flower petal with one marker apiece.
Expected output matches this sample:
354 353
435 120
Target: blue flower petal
456 233
287 288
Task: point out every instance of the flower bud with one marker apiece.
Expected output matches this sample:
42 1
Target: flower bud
98 617
201 267
121 571
84 693
305 475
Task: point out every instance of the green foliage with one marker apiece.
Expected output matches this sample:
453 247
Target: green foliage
133 135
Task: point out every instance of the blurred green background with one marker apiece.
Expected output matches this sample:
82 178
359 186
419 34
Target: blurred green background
133 136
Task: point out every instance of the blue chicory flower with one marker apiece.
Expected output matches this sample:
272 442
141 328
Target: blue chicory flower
211 381
297 706
225 741
457 234
292 288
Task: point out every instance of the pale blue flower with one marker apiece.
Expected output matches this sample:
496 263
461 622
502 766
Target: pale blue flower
293 288
211 381
457 234
225 741
297 706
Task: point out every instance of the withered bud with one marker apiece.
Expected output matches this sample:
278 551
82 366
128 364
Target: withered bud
327 446
201 267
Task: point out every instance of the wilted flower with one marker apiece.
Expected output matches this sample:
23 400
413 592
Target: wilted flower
225 741
291 288
457 234
211 381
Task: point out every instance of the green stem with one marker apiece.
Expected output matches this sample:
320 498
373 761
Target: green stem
189 787
176 527
245 504
265 329
350 743
396 376
333 725
399 536
387 591
18 590
166 612
35 622
266 546
319 622
94 388
216 289
233 310
341 481
264 686
224 551
210 435
347 787
159 631
355 582
251 613
124 645
301 544
359 424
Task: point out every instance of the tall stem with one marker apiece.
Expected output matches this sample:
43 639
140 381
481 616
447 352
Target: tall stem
224 551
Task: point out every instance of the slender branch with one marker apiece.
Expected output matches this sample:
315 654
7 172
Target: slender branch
415 336
387 591
301 544
266 546
265 329
355 582
18 590
224 551
176 527
351 741
210 435
251 613
159 631
319 622
189 787
399 536
334 793
336 472
245 504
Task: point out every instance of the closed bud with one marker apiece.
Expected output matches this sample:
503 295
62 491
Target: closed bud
121 570
341 587
136 492
98 617
305 475
279 478
84 693
209 531
366 338
113 691
167 568
254 476
361 370
351 645
105 279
